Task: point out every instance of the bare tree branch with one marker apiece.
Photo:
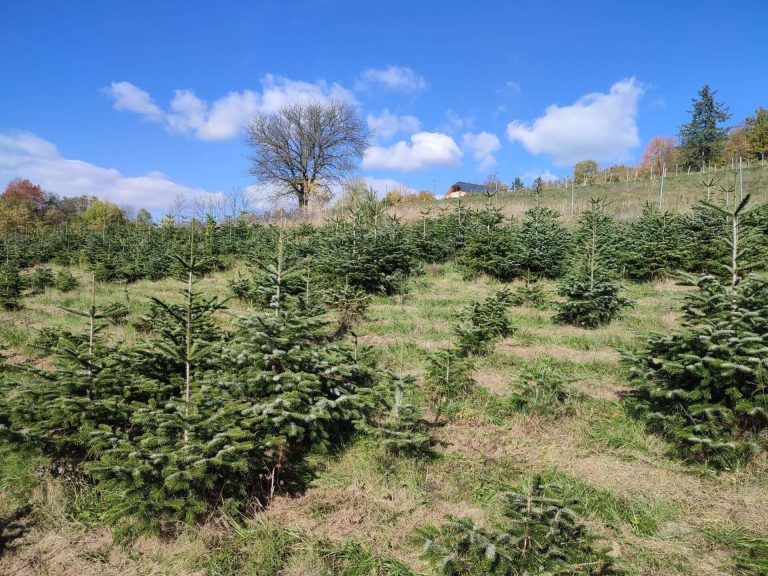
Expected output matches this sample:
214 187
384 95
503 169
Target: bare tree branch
304 148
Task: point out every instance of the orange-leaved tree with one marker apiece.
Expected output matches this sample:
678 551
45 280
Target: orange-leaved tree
659 151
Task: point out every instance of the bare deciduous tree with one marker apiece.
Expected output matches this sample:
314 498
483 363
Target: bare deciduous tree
238 202
304 147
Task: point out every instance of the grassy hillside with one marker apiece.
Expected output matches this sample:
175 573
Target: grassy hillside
360 512
626 198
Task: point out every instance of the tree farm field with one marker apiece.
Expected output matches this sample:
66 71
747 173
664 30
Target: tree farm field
281 295
362 512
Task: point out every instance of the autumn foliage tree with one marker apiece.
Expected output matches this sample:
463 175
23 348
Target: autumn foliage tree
660 150
23 192
737 144
19 204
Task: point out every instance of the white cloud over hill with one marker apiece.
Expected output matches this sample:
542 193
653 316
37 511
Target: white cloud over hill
597 126
483 146
25 155
386 124
425 150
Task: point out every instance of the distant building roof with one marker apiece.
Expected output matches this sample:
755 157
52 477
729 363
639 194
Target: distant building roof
469 187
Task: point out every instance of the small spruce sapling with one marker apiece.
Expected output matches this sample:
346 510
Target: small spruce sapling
484 322
350 304
531 293
540 535
448 378
65 281
592 297
11 286
401 430
40 279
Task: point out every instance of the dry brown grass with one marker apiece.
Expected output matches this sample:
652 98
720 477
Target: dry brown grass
627 199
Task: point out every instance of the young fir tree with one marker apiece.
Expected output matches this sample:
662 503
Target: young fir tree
11 286
531 293
305 388
705 387
656 245
543 242
367 251
400 428
490 247
253 290
59 409
448 378
180 445
540 535
484 322
40 279
706 228
65 281
350 304
541 390
229 419
591 295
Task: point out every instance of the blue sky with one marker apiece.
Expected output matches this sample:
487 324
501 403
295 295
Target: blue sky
142 101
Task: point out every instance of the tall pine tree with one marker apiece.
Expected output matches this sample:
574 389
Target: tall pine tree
702 139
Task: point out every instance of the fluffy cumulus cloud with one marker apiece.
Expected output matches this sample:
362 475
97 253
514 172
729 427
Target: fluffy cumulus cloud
483 146
224 118
597 126
385 125
425 150
25 155
391 78
128 97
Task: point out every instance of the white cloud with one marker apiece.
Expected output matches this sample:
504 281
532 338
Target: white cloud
393 78
278 91
597 126
483 145
224 118
129 97
426 149
386 124
25 155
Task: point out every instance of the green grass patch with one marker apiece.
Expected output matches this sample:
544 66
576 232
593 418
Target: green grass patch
608 425
642 515
750 551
